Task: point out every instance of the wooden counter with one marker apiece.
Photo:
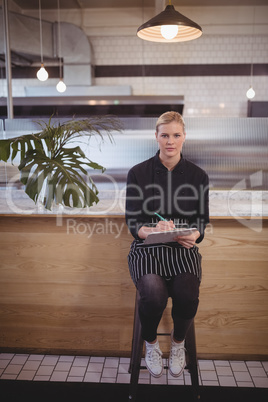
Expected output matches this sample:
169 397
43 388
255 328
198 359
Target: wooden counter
65 287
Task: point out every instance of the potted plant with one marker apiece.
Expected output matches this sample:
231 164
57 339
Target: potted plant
53 170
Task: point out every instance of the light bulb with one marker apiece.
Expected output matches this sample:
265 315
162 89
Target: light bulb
250 93
169 31
42 74
61 87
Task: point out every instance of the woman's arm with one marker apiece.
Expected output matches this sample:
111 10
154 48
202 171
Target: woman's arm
188 241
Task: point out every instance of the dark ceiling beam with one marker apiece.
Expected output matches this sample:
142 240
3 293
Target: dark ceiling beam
18 59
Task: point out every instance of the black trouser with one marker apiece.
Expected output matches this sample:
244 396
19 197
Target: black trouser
154 293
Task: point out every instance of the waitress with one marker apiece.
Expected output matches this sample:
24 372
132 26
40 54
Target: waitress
177 190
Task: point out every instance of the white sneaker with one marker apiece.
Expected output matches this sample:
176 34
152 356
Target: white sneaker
177 358
153 359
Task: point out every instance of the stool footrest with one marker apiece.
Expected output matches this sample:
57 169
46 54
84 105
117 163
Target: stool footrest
165 367
145 368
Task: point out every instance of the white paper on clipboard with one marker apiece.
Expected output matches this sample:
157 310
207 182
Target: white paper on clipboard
167 237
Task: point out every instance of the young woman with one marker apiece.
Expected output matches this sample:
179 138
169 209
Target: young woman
176 189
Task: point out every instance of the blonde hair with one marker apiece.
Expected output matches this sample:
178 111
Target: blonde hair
168 117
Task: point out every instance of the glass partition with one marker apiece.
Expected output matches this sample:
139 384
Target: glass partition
233 151
230 150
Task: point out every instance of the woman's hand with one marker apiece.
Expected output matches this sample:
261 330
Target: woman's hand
162 226
188 241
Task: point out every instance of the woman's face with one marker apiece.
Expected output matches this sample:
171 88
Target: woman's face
170 138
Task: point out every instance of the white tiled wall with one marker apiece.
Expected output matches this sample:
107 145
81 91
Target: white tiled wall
203 96
211 49
213 96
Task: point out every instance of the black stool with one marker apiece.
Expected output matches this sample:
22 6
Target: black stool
136 355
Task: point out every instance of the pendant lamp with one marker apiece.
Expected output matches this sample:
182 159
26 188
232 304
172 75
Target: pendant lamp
42 73
169 26
61 86
250 92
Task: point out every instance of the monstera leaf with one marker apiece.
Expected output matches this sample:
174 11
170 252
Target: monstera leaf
50 169
62 177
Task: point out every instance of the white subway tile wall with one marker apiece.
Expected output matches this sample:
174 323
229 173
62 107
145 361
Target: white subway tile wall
205 50
203 96
212 96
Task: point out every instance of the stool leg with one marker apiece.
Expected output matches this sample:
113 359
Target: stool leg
136 354
192 362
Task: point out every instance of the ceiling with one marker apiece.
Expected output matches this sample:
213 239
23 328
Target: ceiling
20 59
83 4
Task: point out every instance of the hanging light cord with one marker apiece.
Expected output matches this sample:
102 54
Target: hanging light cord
252 49
251 74
59 40
41 34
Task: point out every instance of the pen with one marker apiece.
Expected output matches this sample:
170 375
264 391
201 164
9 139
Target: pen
161 217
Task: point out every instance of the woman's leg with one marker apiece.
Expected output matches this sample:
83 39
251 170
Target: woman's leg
184 291
153 301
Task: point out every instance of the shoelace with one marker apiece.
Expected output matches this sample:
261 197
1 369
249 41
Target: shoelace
155 355
177 352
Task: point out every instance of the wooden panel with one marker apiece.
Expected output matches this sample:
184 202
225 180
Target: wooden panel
65 287
234 286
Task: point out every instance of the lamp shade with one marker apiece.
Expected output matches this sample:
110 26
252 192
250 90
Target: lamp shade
187 29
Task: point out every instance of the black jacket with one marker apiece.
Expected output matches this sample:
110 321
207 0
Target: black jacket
178 194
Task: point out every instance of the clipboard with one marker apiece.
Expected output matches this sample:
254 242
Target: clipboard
168 237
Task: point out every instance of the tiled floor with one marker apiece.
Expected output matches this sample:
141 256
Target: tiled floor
114 369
